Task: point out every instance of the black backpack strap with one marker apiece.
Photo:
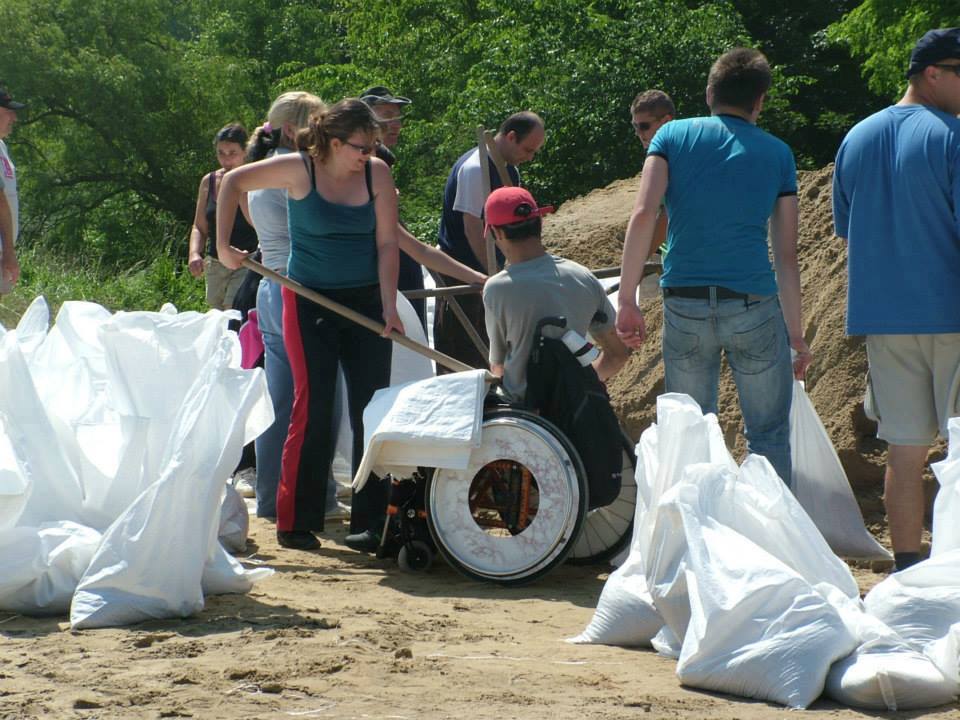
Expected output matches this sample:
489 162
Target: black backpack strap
308 165
367 173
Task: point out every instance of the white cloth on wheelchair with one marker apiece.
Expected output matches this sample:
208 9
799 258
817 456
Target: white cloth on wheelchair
426 423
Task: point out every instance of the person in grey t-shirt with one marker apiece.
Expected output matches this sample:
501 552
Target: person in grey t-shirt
535 285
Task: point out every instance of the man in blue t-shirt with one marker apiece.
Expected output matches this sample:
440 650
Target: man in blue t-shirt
724 182
896 199
518 139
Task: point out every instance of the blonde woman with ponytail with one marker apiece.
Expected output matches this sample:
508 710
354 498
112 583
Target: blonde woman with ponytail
289 113
342 208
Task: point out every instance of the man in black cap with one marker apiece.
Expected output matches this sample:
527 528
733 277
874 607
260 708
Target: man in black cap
896 199
389 111
9 203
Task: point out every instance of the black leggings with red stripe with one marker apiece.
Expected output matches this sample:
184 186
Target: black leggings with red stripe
317 341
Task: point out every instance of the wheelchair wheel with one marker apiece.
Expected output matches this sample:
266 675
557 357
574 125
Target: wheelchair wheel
415 556
609 529
517 509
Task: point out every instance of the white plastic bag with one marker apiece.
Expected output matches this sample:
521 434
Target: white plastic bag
922 603
820 484
625 615
152 560
42 565
56 494
757 628
946 507
15 486
234 521
885 673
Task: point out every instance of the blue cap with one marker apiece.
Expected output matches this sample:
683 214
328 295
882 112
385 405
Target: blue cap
936 45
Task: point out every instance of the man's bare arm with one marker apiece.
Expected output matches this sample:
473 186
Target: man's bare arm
783 240
613 354
10 266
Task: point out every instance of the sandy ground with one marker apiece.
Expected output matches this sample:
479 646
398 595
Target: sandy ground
337 634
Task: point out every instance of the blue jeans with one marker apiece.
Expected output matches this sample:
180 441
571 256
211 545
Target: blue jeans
753 337
269 446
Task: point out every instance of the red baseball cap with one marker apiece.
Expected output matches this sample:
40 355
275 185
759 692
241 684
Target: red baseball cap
511 205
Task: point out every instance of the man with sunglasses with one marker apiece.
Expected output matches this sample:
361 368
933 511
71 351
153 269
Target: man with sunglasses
9 203
896 199
648 111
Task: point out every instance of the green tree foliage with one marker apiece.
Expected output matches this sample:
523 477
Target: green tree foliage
123 106
819 93
125 95
883 32
578 64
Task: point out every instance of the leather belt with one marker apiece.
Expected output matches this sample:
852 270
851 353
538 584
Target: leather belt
702 292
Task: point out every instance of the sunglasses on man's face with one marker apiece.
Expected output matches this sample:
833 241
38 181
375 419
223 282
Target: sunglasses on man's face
954 68
643 126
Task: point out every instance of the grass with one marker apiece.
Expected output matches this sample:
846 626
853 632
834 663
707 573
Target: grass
146 286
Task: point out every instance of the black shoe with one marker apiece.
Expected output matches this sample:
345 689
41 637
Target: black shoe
297 539
366 541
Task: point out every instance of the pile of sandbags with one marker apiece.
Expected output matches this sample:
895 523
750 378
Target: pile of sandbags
728 574
118 433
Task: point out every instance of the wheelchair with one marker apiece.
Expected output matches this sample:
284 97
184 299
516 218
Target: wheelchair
520 507
518 510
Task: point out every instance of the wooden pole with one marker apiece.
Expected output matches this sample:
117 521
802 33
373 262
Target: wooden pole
350 314
491 259
498 162
461 316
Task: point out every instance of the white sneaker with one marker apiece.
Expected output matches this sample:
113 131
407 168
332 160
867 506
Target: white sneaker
243 482
340 512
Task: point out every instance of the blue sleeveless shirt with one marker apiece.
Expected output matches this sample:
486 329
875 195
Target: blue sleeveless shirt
332 245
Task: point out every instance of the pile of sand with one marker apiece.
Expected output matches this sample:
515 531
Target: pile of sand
590 230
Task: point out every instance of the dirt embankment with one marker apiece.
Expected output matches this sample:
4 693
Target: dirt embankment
590 230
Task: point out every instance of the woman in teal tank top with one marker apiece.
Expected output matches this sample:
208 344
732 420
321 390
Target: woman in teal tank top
342 209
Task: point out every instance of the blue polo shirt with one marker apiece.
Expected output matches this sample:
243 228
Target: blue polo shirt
896 198
726 174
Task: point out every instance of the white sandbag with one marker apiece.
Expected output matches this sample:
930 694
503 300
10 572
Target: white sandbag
820 484
922 605
152 560
757 629
33 327
945 654
15 485
234 521
684 436
625 615
757 504
40 566
56 494
946 507
885 673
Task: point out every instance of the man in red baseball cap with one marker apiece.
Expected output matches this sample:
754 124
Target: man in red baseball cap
9 203
539 310
535 285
